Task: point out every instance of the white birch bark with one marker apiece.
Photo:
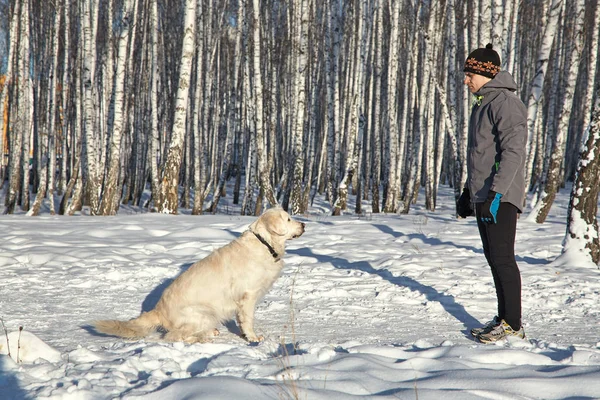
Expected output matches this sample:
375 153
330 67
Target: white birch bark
485 22
356 122
300 99
323 177
464 97
537 84
594 47
65 102
376 123
313 101
428 114
449 100
46 134
249 201
108 71
109 204
196 124
393 177
437 127
154 93
582 223
337 10
263 172
473 20
429 151
91 170
553 179
510 36
499 13
332 64
169 187
7 103
8 81
26 103
76 182
233 120
419 132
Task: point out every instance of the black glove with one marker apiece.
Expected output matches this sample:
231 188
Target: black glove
489 209
464 208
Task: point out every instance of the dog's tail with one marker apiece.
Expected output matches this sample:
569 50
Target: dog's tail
136 328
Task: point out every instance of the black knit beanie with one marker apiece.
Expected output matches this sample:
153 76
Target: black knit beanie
484 62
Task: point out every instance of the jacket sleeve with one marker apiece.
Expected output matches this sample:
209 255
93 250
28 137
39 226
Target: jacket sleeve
510 118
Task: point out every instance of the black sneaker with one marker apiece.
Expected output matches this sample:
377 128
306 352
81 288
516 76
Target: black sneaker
487 327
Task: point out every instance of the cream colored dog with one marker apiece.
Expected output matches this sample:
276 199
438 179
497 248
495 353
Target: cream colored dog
228 281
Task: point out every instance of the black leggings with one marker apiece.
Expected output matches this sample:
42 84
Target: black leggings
499 248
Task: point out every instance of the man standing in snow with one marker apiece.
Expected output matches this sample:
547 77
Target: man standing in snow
495 182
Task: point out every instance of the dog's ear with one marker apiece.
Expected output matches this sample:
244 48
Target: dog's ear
257 226
274 221
278 223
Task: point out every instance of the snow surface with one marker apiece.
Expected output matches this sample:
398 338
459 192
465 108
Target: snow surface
369 306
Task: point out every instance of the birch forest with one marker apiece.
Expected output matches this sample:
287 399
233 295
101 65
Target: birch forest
185 104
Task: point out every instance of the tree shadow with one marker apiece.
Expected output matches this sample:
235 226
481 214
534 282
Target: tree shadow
435 241
9 384
427 240
445 300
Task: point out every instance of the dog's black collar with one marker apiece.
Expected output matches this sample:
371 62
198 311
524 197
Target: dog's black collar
263 241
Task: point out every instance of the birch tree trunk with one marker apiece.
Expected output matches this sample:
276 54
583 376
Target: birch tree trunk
263 171
449 101
109 204
154 92
91 170
392 184
5 97
582 224
419 131
337 12
26 101
537 84
433 143
248 202
356 123
464 97
510 36
169 195
197 128
485 22
498 21
300 99
233 120
46 135
66 100
10 101
376 123
332 76
592 66
553 179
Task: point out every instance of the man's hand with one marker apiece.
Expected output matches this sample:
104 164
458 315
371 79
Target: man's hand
464 208
489 210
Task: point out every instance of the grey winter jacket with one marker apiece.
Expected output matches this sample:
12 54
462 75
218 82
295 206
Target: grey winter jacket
497 140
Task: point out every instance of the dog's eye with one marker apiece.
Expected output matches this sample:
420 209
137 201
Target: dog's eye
289 219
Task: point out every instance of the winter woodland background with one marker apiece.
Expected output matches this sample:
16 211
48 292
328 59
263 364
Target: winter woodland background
106 99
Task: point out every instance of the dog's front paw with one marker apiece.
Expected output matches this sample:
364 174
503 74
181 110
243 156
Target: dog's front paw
254 338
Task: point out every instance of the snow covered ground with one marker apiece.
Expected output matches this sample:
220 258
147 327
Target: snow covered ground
370 306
